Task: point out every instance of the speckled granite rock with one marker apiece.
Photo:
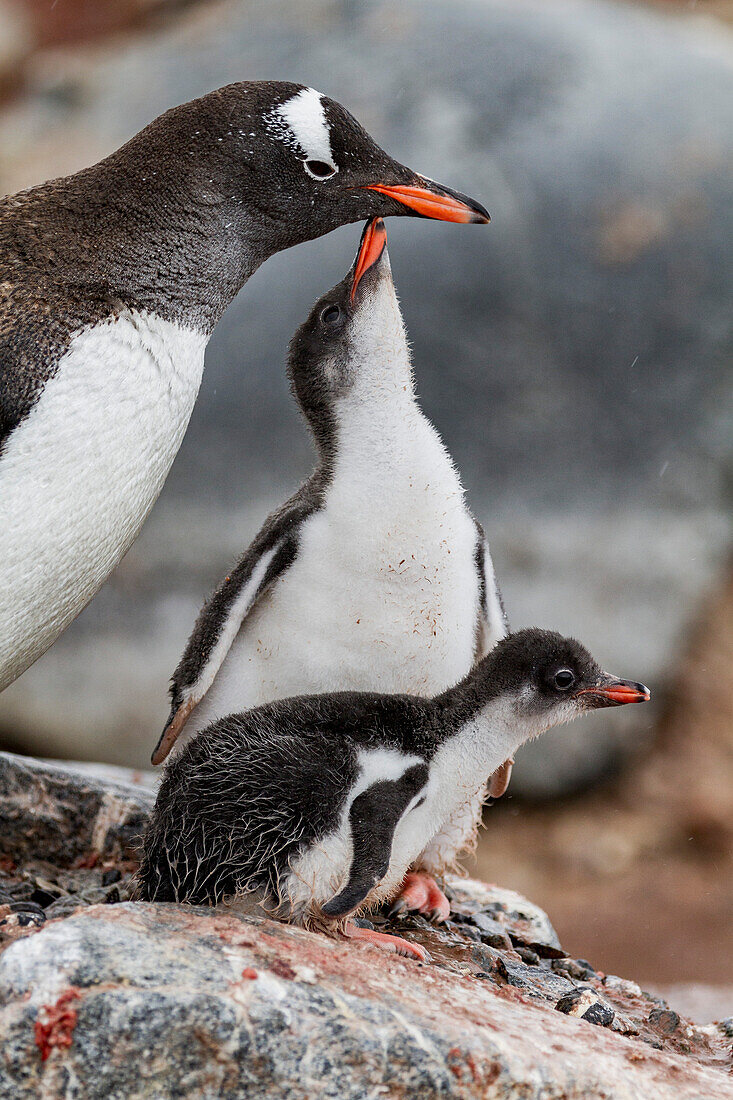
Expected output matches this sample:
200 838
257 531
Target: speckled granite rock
51 812
103 997
145 1001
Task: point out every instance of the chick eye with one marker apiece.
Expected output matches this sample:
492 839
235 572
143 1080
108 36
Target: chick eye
331 315
564 679
320 169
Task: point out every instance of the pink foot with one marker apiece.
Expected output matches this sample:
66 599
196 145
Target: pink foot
387 943
420 893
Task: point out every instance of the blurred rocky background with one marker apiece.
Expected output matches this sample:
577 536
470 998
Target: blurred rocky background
576 356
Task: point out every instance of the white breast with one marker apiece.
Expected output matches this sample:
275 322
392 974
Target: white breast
81 472
324 869
383 594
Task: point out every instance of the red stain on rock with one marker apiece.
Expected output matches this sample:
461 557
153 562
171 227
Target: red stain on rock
454 1058
460 1060
55 1024
282 969
471 1063
236 939
492 1072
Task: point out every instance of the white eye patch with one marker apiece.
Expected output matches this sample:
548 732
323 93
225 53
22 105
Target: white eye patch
300 123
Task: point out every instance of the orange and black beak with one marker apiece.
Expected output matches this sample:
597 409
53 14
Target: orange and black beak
432 200
371 250
615 693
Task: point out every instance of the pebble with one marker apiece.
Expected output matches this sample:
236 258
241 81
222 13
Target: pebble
665 1020
600 1014
621 985
548 951
487 924
489 931
499 940
585 1003
623 1025
63 907
573 968
485 956
534 980
466 930
21 913
528 956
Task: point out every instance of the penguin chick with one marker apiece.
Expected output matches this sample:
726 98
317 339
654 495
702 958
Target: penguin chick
320 804
375 575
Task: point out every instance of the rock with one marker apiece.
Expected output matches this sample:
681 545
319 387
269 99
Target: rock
150 1002
600 1014
491 931
528 956
611 981
525 922
664 1020
135 777
599 135
586 1004
573 969
66 816
702 1002
536 982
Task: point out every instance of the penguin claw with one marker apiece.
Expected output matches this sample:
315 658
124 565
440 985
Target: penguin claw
393 944
420 893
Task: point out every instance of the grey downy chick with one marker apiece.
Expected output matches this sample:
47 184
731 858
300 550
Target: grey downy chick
319 805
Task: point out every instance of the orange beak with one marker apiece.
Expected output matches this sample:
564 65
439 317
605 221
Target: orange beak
373 244
616 693
444 205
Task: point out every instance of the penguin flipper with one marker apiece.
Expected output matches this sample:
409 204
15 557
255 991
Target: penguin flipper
272 551
492 623
492 626
373 817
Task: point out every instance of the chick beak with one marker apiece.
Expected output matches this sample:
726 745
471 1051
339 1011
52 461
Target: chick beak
615 693
432 200
371 250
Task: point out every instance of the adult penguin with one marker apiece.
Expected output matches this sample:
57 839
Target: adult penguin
112 282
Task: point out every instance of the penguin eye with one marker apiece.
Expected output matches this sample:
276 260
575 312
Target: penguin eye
320 169
564 679
331 315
